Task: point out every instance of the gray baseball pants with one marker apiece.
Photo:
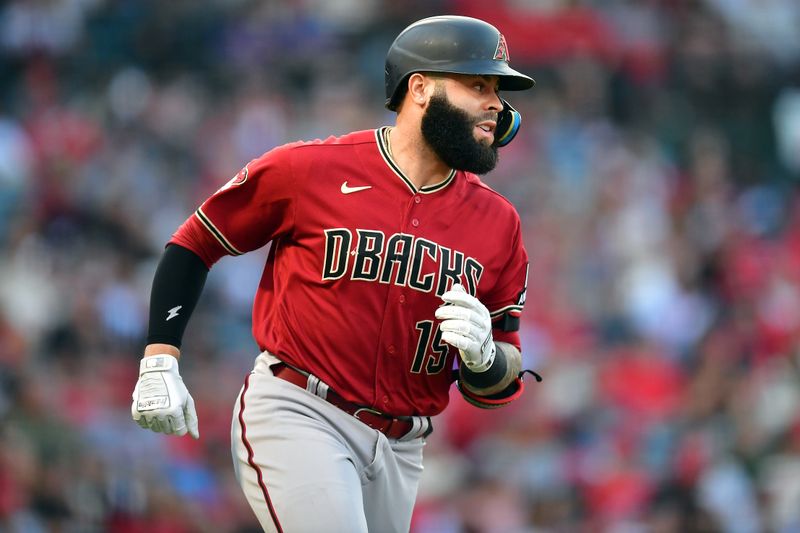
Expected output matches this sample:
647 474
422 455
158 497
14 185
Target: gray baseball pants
304 465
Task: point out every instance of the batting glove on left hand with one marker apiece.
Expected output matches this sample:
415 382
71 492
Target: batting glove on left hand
161 402
466 325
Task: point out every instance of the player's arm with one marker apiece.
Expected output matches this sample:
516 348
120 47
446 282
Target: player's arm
177 285
254 207
490 372
161 401
502 373
500 384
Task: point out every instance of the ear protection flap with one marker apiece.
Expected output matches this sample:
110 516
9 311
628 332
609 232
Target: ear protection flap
508 122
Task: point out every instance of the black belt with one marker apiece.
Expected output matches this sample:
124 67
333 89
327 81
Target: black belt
393 427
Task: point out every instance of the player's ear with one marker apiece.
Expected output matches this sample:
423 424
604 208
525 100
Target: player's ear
419 86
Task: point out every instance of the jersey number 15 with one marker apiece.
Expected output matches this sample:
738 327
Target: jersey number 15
431 352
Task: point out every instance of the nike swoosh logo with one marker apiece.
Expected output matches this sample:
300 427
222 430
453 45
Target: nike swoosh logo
349 190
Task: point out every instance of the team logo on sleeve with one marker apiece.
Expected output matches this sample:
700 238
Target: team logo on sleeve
238 179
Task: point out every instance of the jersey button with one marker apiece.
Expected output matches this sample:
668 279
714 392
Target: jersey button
415 222
391 350
417 199
402 298
385 399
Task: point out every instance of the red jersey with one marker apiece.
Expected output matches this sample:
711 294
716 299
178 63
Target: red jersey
359 259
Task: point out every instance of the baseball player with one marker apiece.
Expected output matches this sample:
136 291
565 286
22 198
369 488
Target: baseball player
393 272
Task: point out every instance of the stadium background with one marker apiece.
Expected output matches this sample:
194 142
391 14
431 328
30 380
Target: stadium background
655 174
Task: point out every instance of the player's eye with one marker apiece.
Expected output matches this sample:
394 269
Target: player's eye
485 84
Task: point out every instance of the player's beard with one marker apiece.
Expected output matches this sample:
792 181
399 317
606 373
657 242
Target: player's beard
448 130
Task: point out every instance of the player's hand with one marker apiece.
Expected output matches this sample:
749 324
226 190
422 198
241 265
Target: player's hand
466 325
161 401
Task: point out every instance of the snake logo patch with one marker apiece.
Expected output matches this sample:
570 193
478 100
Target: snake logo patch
237 180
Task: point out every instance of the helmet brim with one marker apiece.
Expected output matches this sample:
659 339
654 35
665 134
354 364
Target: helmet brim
509 79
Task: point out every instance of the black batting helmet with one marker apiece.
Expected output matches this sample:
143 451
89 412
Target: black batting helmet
451 44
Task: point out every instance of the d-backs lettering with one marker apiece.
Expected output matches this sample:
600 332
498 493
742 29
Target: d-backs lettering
401 259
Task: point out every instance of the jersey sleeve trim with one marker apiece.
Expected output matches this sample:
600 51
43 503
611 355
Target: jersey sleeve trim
511 309
230 248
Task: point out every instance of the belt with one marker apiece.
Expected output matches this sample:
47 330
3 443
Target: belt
394 427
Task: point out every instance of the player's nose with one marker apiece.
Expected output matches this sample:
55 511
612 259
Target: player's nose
494 102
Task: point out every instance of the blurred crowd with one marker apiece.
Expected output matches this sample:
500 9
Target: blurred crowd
656 176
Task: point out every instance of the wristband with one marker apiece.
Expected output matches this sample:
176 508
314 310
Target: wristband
487 378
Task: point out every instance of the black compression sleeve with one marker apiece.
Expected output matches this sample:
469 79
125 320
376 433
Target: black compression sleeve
177 285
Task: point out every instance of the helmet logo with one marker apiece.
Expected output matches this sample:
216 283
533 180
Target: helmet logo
501 52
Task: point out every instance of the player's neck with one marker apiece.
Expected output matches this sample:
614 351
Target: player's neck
415 158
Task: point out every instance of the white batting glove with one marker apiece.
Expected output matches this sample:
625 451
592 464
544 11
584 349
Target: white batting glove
161 401
466 325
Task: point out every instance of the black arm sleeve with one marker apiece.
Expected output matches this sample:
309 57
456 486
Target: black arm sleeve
177 285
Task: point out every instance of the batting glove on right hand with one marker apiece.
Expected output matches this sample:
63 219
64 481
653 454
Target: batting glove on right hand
467 325
161 401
